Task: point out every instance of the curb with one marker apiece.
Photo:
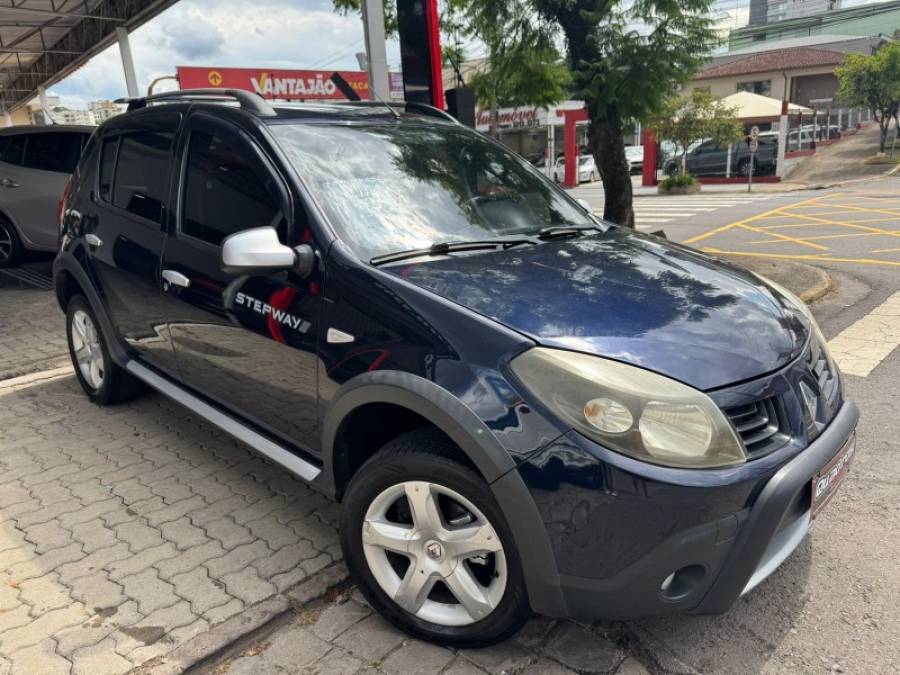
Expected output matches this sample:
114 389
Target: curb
825 285
223 635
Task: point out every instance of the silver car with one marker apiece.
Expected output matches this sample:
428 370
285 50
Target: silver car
35 164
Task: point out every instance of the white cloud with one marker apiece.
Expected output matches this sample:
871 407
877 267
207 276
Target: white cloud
269 33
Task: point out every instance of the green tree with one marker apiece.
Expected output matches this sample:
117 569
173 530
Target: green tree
697 116
873 81
626 56
523 66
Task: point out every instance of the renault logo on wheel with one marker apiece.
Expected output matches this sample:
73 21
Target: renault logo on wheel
434 550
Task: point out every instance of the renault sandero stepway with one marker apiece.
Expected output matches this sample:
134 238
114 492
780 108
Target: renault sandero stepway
520 407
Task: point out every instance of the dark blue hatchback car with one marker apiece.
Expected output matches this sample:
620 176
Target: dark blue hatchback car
521 408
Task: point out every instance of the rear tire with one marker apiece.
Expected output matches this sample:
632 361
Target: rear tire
474 592
100 378
11 250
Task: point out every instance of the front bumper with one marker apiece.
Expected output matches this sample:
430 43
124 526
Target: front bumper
755 517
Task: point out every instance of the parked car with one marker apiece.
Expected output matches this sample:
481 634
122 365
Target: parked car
522 408
711 159
635 156
35 163
587 169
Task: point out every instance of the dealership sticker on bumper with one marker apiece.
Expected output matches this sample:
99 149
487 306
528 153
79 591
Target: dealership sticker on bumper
825 483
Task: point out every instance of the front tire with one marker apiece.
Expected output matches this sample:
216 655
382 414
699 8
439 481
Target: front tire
101 379
11 250
429 548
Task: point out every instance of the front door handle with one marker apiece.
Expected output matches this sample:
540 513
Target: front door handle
173 278
93 240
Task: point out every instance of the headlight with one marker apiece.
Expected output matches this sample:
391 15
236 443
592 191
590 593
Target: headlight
631 410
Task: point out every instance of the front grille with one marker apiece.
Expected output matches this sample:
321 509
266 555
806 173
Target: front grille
762 426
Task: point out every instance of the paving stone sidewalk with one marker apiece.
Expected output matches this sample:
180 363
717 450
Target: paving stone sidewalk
126 531
32 330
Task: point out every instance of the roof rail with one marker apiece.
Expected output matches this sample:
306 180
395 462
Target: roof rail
407 106
247 100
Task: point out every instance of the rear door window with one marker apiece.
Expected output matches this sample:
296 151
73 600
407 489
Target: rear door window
226 190
141 174
13 152
57 152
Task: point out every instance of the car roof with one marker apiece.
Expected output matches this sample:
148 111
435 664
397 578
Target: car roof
47 129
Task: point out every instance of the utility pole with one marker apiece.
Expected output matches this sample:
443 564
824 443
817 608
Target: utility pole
373 28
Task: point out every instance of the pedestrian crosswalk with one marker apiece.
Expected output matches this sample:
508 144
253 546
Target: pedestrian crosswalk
652 211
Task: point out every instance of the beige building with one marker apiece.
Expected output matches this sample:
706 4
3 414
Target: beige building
799 75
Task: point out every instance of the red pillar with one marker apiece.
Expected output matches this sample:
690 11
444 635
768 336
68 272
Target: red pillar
572 117
651 158
434 52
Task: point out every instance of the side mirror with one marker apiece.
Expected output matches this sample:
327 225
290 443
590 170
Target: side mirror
258 251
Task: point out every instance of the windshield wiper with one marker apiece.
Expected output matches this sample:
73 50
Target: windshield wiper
561 231
445 247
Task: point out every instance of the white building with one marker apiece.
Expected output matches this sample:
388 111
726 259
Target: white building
102 110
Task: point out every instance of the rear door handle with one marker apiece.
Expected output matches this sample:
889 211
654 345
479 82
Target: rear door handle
173 278
93 240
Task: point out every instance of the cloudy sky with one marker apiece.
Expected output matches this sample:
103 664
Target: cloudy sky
266 33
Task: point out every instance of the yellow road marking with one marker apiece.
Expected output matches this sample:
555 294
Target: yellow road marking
867 228
868 210
817 258
886 250
824 236
765 214
783 237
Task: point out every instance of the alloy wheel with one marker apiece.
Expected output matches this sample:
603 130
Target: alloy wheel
87 349
6 244
434 553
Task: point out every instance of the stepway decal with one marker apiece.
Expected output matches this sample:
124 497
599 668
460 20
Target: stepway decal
265 309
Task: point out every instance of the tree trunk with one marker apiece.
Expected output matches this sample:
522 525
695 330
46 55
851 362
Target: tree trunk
884 123
608 148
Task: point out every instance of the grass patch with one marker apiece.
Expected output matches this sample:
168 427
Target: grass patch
677 181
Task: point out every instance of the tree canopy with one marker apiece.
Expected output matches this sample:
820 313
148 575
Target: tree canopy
873 81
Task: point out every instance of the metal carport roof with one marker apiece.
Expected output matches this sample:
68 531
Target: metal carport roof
43 41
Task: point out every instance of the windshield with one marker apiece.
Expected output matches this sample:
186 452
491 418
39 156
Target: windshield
400 187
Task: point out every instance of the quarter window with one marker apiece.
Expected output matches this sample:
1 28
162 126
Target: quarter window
226 190
56 152
142 173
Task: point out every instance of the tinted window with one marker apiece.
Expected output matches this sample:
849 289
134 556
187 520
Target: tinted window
226 191
142 172
53 152
16 148
107 166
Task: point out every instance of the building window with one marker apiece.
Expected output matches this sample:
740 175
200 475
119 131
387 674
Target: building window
761 87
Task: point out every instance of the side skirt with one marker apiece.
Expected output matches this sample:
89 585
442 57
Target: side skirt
242 432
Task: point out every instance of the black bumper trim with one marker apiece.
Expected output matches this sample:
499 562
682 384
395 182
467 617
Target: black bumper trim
771 506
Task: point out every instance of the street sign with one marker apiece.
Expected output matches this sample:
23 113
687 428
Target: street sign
754 132
754 143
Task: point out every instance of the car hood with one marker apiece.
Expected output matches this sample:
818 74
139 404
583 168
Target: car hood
630 297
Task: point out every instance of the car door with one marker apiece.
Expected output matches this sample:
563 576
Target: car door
247 343
124 225
34 188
